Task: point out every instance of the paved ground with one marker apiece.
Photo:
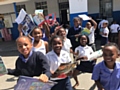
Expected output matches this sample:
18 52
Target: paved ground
9 55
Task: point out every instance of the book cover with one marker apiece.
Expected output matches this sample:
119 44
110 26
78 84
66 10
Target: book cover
85 31
84 17
29 83
3 69
51 18
27 22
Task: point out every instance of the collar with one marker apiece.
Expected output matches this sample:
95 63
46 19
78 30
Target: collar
26 59
77 28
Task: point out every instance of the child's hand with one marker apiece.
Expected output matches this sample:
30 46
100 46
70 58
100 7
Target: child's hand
43 78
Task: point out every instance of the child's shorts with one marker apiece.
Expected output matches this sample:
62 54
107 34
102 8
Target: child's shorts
86 66
63 84
104 40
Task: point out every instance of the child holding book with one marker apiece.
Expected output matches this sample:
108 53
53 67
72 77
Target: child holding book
56 58
83 52
106 74
30 63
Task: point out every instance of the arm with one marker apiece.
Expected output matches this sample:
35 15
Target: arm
47 29
99 86
46 46
94 23
20 29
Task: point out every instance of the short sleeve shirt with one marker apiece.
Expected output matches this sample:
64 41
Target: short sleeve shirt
109 80
84 51
92 35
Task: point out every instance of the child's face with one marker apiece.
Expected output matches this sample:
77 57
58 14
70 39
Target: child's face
62 32
110 54
83 40
105 25
76 23
37 34
24 46
88 25
57 45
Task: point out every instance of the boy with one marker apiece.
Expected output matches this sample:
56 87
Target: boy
30 63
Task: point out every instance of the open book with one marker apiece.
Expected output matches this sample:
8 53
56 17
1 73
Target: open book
39 18
3 69
27 22
29 83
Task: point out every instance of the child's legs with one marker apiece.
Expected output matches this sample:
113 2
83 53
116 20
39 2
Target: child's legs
104 40
63 84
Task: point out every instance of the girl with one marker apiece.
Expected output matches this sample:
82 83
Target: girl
107 73
83 51
67 44
56 58
39 44
104 33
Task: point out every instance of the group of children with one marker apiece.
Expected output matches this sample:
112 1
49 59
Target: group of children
36 59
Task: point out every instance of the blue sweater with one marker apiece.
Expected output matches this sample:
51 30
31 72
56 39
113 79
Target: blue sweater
37 64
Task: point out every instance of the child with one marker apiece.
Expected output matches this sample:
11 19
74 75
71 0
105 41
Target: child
104 33
30 63
67 43
39 44
83 51
57 57
107 73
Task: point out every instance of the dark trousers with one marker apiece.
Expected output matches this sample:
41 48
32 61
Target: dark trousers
63 84
104 40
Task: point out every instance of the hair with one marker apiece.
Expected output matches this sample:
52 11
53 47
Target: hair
24 37
86 37
36 27
112 44
59 30
76 18
55 36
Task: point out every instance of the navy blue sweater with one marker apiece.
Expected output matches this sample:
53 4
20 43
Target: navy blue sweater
37 64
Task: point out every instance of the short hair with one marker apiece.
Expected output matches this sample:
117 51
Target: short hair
24 37
53 37
59 30
76 18
112 44
86 37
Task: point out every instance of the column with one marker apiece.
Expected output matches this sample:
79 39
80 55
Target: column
77 7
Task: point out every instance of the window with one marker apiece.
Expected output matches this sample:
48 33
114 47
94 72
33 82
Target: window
19 7
42 5
106 8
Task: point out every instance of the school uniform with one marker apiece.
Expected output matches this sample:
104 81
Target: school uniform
109 79
104 38
71 35
67 45
91 37
54 62
42 48
85 65
35 65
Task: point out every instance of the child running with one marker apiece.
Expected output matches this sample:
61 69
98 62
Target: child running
83 51
107 73
30 63
56 58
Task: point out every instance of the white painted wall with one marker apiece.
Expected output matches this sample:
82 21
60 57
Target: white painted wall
78 6
93 6
116 5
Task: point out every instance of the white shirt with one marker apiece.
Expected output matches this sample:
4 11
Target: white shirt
114 28
105 30
67 45
55 61
101 23
84 51
42 48
92 35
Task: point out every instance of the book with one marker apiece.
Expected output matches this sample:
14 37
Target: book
27 22
29 83
51 19
66 68
85 31
39 18
3 69
84 17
